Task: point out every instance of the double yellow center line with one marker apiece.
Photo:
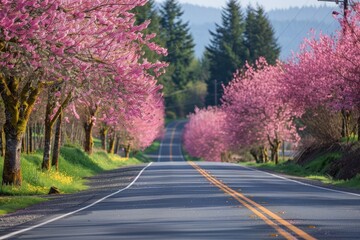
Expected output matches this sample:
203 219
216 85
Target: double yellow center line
265 214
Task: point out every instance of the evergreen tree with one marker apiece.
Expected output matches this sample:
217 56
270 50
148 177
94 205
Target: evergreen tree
178 41
145 13
259 36
227 50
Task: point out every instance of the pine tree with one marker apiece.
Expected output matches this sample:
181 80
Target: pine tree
149 12
259 36
227 50
178 41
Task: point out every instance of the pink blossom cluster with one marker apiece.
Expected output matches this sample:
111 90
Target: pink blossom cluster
205 135
94 48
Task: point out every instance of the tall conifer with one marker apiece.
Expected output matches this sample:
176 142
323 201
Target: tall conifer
226 51
260 38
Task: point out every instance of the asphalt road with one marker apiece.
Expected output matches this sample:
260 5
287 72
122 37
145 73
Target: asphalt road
173 199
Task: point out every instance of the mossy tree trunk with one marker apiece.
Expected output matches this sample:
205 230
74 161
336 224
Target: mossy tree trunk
111 148
275 147
50 120
19 102
88 127
103 136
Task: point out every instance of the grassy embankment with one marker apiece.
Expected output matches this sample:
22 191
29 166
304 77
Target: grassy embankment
314 170
74 166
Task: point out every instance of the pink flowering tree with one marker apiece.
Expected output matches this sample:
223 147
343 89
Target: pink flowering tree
326 71
257 114
55 42
205 135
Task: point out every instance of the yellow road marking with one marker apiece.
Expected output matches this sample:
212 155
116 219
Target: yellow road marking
255 207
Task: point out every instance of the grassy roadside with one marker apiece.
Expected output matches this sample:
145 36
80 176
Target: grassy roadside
315 170
74 166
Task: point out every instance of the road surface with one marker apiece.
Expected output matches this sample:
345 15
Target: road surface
173 199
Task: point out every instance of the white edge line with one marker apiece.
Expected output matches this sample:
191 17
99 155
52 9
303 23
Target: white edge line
302 183
76 211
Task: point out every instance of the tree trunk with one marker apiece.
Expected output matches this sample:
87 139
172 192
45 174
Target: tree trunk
31 147
103 136
111 144
265 154
345 128
277 148
18 104
127 150
12 164
117 144
88 143
2 145
23 143
57 144
47 146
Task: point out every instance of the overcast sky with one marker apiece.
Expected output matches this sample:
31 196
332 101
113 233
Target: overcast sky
268 4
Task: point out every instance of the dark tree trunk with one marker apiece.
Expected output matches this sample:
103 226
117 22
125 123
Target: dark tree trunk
127 150
3 143
57 144
47 146
23 143
12 164
88 143
31 147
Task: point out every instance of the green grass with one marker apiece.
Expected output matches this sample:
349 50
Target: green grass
11 204
74 166
153 148
314 170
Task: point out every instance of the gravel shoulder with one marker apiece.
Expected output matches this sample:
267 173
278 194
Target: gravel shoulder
99 186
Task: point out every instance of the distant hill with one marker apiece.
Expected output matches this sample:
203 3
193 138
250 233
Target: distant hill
291 25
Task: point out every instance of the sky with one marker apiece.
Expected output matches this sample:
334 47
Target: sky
267 4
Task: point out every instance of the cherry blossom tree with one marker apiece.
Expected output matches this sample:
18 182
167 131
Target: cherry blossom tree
205 135
46 43
326 71
257 114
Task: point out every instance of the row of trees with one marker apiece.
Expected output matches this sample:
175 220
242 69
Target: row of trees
265 105
242 36
84 61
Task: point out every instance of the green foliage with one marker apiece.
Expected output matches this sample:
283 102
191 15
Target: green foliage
180 45
236 42
226 52
260 38
153 148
